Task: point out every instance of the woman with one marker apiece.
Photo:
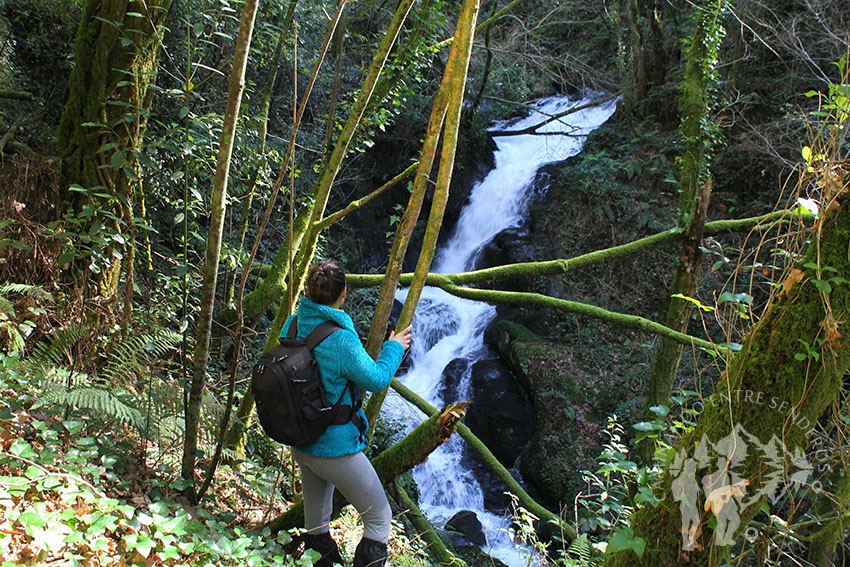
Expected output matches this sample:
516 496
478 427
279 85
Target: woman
336 459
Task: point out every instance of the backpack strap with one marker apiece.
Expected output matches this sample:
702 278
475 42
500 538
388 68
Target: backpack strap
316 336
344 413
320 333
293 329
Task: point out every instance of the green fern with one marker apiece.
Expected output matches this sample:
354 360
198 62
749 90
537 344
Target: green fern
58 350
7 309
581 549
127 391
134 357
18 331
111 397
105 404
26 289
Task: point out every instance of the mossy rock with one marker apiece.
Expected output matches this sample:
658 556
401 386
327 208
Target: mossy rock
515 343
475 557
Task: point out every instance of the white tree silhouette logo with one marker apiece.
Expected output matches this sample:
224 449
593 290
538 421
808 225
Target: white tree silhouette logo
712 475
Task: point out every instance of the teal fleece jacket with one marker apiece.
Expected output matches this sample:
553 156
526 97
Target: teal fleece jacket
341 357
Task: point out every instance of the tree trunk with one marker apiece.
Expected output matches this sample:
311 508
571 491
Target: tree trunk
763 411
248 198
17 95
274 286
823 544
678 309
100 132
447 109
694 190
213 253
307 223
323 186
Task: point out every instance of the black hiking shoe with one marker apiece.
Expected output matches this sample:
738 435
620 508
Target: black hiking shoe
324 544
370 553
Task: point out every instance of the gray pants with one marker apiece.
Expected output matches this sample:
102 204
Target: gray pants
358 482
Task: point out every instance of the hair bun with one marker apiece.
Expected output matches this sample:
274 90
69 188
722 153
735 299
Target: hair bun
325 282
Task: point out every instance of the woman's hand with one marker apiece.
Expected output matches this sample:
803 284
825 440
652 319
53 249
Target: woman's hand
403 337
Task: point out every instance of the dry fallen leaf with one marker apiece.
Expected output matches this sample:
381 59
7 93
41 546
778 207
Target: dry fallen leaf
830 325
794 277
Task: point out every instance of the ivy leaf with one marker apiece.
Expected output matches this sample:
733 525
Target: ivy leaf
624 539
645 495
823 286
21 448
118 159
660 410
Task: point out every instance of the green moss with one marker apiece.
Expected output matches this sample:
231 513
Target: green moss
769 364
474 557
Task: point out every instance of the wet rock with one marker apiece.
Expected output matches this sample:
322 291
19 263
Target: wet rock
502 417
507 247
469 526
449 381
513 343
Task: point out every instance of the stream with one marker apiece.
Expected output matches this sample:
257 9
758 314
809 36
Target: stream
448 328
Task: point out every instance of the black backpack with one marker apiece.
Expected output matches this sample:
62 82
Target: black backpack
291 401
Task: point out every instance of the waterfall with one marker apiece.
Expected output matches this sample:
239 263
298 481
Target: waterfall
447 328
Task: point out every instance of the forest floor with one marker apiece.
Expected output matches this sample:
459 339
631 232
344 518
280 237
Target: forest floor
77 492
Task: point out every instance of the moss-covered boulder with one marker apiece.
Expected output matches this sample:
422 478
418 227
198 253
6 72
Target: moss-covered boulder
571 405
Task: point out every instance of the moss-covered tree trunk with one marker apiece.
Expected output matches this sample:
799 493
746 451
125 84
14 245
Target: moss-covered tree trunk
236 87
694 188
262 134
647 58
447 109
116 58
307 223
746 442
308 219
322 189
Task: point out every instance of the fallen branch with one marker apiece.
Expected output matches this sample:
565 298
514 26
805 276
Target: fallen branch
17 95
553 118
357 204
562 266
490 459
435 544
621 319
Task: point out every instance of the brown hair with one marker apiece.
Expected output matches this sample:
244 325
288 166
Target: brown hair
325 282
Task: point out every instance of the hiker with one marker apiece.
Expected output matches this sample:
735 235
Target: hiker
336 459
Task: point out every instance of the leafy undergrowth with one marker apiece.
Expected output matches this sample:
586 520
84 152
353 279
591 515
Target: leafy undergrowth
71 494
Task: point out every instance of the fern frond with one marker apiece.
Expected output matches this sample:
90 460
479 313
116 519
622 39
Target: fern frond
100 403
581 549
135 355
57 350
7 308
26 289
16 339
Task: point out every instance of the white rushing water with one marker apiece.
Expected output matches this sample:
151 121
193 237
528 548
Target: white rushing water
448 328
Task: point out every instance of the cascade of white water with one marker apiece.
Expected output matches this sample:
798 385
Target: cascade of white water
447 328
